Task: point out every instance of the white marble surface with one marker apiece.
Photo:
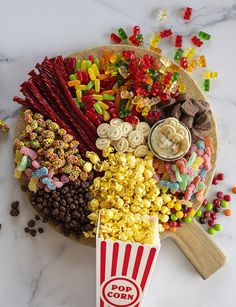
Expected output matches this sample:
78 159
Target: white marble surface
50 270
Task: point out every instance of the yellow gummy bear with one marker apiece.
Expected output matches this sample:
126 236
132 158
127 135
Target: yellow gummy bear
33 184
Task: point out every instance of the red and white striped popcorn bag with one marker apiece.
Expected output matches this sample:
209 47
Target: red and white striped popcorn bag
124 271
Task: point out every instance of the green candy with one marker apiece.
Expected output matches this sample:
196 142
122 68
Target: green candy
206 85
204 35
122 34
209 207
187 219
199 213
97 108
211 231
108 97
218 227
224 204
173 217
77 65
96 61
89 85
88 64
72 77
23 164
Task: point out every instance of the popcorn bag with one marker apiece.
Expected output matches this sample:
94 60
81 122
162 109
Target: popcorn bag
124 271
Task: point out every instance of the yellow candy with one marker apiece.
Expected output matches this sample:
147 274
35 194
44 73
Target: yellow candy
83 65
199 161
164 209
33 184
171 205
179 214
81 87
17 173
190 52
79 94
91 73
95 69
191 213
97 97
210 75
18 156
97 85
103 105
178 206
106 115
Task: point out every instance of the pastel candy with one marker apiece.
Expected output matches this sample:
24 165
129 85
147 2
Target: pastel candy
50 174
192 159
43 171
170 172
64 179
200 144
203 172
29 152
23 164
49 183
33 184
207 162
18 156
200 152
17 173
58 184
168 184
28 172
177 173
35 164
199 161
189 192
183 184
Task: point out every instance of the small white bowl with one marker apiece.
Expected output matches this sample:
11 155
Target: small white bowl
161 157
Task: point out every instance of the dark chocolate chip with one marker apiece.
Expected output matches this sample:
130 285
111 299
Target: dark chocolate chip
37 217
32 232
24 188
14 212
31 223
26 229
15 204
40 230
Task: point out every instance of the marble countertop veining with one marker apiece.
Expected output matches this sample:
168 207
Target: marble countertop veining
51 270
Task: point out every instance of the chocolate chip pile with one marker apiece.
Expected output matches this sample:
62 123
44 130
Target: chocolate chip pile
195 114
67 207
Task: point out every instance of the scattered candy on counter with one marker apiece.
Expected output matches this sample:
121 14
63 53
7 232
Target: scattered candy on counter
209 212
187 13
3 126
162 15
198 61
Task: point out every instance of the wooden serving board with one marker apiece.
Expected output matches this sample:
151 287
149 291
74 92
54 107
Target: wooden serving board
192 239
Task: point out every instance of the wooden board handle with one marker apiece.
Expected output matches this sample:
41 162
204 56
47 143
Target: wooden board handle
199 248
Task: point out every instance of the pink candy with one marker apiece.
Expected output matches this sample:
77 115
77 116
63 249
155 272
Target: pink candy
207 162
157 177
29 153
64 179
200 152
35 164
170 172
28 172
208 151
58 184
50 174
189 191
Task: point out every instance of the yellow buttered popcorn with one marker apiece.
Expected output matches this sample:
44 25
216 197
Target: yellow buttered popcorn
130 227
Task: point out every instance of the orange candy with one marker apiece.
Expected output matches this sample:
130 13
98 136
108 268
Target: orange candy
234 189
172 229
227 212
